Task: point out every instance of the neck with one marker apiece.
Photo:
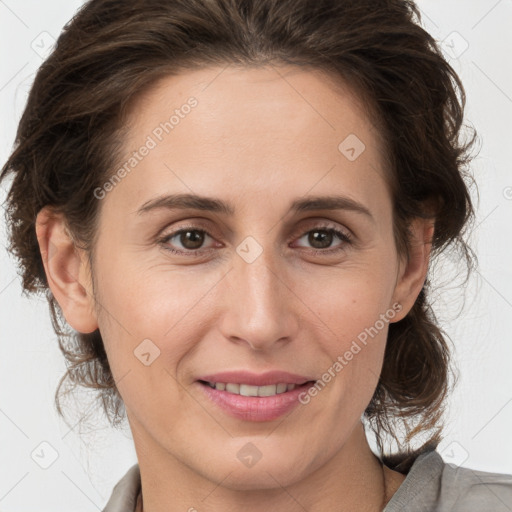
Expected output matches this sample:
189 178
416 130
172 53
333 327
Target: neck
354 479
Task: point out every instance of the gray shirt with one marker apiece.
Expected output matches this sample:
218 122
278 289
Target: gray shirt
431 485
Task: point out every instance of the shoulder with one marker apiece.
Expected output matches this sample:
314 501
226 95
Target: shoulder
471 489
124 494
435 485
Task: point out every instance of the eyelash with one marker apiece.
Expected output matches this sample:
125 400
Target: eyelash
341 235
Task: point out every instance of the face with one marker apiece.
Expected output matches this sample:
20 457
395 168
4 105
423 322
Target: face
282 270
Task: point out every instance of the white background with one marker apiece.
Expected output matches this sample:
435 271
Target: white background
480 409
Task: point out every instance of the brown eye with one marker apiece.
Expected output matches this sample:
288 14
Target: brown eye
320 239
323 238
185 241
192 239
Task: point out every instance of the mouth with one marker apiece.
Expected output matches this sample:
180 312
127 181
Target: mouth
255 391
249 402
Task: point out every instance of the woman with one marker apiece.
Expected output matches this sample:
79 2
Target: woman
249 357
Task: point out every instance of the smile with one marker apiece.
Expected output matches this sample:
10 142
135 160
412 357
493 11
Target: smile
249 402
249 390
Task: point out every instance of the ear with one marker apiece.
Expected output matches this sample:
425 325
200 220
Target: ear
67 271
412 273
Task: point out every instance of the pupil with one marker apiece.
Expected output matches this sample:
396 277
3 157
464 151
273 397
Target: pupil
192 239
324 237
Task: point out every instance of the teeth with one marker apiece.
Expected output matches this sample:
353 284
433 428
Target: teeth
270 390
248 390
233 388
281 388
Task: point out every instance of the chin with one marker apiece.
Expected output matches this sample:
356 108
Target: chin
248 472
261 477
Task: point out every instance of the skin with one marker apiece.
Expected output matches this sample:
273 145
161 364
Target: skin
259 138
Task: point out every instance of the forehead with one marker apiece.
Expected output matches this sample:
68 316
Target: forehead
265 93
274 128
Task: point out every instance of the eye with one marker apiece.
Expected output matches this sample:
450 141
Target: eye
188 240
322 238
191 241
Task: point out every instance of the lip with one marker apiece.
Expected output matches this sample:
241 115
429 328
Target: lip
252 408
257 379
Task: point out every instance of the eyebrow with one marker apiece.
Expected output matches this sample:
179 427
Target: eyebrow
196 202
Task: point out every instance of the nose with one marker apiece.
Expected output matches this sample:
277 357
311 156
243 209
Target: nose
260 309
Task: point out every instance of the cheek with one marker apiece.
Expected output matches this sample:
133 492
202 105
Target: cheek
350 301
153 310
352 310
144 330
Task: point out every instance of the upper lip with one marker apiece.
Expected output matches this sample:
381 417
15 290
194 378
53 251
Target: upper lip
256 379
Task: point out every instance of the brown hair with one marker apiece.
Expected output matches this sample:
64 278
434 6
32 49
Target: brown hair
71 132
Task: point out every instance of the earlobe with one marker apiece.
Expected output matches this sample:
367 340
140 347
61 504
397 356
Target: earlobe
66 271
412 273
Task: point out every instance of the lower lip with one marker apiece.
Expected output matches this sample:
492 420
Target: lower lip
255 408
